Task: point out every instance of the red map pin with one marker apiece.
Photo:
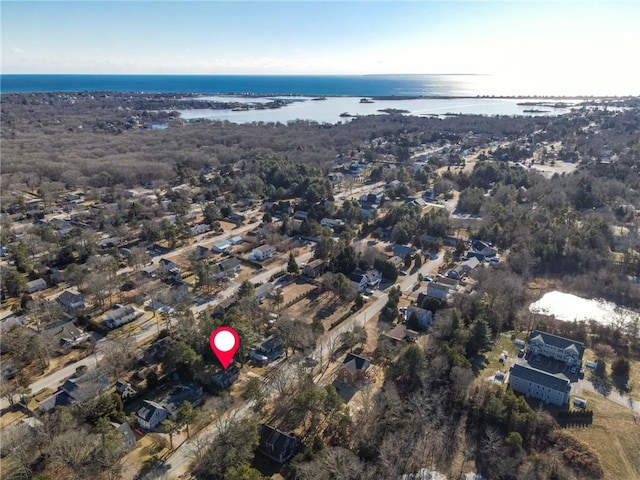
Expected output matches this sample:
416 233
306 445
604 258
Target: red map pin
224 342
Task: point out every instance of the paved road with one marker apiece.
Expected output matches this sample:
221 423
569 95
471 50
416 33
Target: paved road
614 396
182 456
54 379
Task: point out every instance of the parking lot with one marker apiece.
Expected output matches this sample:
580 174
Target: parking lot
550 365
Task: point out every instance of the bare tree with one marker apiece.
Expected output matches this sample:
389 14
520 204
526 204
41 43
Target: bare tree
119 355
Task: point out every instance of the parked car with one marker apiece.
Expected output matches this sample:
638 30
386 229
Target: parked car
427 279
258 358
521 353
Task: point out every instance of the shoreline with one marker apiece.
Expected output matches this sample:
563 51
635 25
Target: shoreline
197 95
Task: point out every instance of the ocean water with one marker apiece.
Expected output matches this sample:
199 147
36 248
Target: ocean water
430 94
331 109
311 85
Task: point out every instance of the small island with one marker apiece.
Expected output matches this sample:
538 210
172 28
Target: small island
394 111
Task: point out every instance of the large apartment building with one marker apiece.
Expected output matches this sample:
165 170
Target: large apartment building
553 346
538 384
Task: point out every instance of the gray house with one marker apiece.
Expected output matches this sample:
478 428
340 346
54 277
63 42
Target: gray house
70 301
538 384
36 285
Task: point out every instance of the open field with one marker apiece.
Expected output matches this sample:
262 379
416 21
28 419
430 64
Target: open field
614 435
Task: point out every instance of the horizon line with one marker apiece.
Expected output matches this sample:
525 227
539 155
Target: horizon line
261 74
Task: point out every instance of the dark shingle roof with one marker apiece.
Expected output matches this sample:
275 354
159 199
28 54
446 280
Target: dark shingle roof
276 444
540 377
147 410
557 341
355 362
225 378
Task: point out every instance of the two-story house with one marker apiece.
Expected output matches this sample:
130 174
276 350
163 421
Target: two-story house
263 252
553 346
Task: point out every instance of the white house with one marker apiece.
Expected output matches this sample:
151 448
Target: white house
538 384
263 252
359 281
121 316
553 346
151 414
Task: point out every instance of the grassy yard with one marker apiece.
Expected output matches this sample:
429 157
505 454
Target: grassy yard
492 363
614 435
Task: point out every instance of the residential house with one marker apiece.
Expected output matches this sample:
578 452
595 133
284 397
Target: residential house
151 414
438 290
263 291
70 301
203 252
465 267
199 229
57 275
149 271
332 222
277 445
402 250
374 277
65 334
272 348
237 240
75 391
167 266
237 217
354 368
538 384
124 389
224 378
359 280
36 285
363 281
230 266
300 215
483 248
314 268
397 262
109 242
223 246
418 317
418 202
121 315
263 252
553 346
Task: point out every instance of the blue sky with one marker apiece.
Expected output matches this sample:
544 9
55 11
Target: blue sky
586 39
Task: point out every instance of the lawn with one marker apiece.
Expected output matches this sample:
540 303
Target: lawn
492 363
614 435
